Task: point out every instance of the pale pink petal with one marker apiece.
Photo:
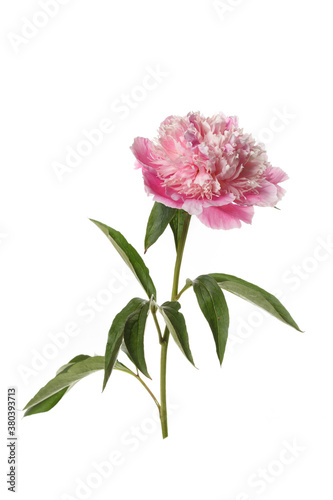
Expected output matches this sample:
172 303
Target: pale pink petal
280 192
226 217
275 175
266 196
143 151
195 207
168 120
224 199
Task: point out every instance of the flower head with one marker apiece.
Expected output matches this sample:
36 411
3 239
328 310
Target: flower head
210 168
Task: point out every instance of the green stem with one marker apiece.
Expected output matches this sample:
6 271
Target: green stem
164 348
186 287
148 390
157 327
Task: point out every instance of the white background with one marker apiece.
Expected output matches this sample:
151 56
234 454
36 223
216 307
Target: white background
255 59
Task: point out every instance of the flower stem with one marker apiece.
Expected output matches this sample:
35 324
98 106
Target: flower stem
165 340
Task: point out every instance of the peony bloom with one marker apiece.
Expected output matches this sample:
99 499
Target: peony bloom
210 168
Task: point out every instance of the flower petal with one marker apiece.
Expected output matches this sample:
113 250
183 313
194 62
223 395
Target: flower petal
226 217
195 207
154 186
275 175
266 196
143 150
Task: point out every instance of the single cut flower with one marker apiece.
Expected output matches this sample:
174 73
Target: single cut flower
210 168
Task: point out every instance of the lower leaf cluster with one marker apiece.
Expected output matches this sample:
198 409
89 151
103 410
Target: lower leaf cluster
128 327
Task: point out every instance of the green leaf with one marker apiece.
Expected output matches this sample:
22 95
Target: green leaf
256 296
130 256
175 321
177 224
47 397
159 218
116 336
125 350
134 331
48 403
65 367
214 307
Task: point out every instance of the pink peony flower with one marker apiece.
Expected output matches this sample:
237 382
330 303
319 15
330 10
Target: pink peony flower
210 168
